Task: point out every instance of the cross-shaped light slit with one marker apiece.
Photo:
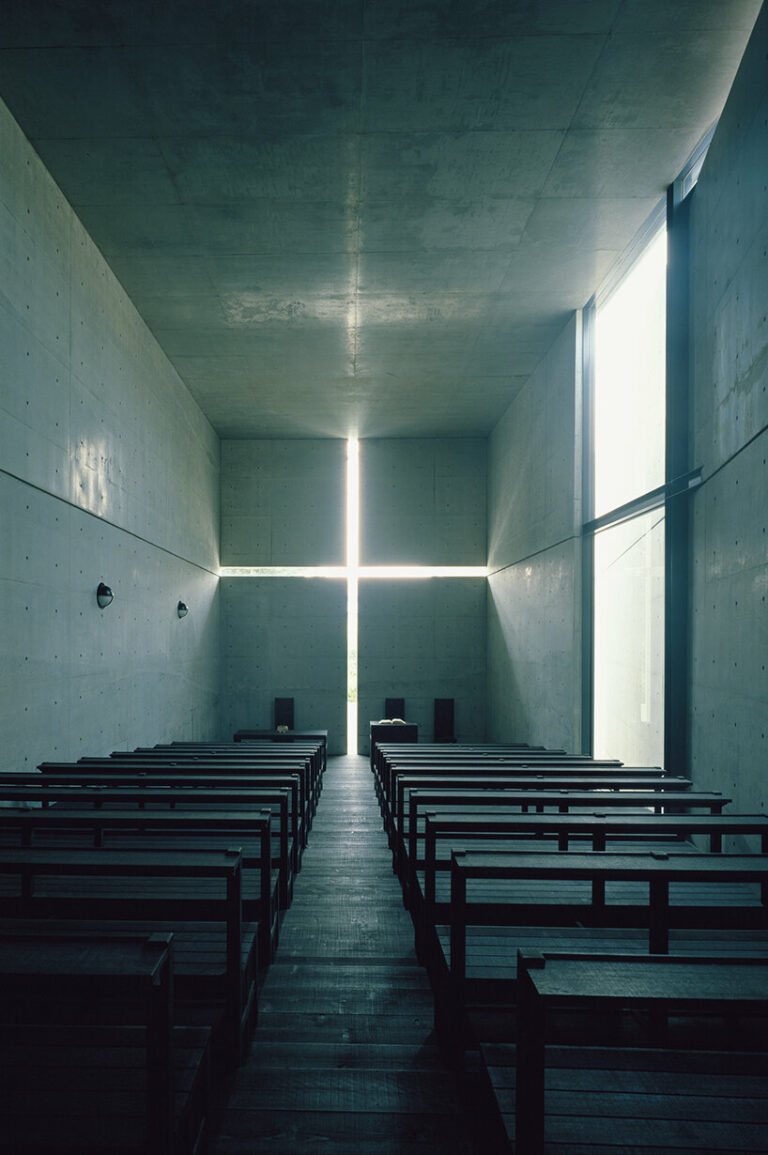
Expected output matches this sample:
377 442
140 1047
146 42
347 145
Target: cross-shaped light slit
353 573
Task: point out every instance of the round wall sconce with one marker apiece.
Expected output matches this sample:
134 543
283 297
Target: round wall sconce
182 609
104 596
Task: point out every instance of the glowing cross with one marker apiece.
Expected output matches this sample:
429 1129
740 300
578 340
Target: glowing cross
353 573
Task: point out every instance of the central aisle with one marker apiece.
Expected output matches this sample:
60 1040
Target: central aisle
343 1060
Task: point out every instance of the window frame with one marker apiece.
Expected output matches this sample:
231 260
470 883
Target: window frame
673 214
680 480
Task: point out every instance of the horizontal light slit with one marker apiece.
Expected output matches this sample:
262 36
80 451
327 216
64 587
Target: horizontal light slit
384 572
297 571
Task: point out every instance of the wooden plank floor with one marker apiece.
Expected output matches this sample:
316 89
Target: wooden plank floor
640 1102
343 1059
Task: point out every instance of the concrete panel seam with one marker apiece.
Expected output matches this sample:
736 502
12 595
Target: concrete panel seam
106 521
536 553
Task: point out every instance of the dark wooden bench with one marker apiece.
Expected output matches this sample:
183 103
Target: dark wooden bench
320 736
305 761
314 742
78 1071
81 790
550 777
292 748
554 793
613 1099
502 796
550 984
185 830
138 780
313 751
212 768
381 751
273 860
516 900
460 756
446 832
467 767
149 892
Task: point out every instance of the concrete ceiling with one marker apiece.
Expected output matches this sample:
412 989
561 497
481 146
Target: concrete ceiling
364 216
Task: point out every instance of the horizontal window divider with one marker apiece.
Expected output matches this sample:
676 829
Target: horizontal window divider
653 499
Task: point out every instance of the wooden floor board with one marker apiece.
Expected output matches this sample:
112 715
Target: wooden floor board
365 1133
330 1089
398 1056
619 1101
366 1029
344 1059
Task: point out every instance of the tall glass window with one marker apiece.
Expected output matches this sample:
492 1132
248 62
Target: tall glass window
628 406
629 383
629 641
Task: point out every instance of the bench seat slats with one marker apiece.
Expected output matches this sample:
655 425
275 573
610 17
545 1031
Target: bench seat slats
199 948
617 1100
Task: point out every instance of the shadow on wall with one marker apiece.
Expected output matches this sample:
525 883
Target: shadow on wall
507 716
532 663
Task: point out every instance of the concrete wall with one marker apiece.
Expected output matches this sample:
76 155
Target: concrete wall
729 418
423 502
421 640
282 503
534 550
108 471
285 638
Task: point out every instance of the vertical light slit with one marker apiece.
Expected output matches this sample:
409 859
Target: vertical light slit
353 561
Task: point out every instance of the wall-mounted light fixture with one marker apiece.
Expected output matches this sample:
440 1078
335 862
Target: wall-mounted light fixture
182 609
104 596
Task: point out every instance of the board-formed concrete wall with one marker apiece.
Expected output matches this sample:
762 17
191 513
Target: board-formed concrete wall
285 637
423 501
108 471
420 640
729 420
282 502
534 557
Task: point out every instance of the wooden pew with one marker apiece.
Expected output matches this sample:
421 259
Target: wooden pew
181 791
314 745
673 1100
515 794
445 832
550 983
558 900
470 766
557 777
256 751
63 1003
415 757
149 892
553 791
273 744
383 750
214 767
157 829
136 780
305 761
320 736
312 749
227 815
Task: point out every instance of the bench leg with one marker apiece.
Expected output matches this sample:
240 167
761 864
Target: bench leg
529 1082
